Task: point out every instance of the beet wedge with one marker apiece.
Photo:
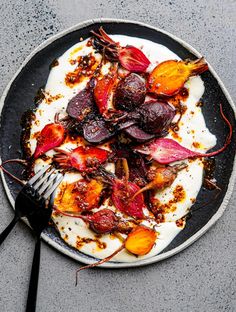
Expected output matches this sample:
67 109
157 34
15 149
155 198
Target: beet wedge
82 104
78 196
130 57
102 93
169 77
133 59
141 240
51 136
166 151
81 158
122 194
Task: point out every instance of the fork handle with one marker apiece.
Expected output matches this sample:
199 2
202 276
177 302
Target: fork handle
33 285
8 229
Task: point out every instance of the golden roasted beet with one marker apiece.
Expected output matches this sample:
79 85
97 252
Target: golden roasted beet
141 240
78 196
66 200
89 194
169 77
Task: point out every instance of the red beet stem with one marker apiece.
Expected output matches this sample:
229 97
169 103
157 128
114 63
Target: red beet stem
99 262
20 161
67 214
228 139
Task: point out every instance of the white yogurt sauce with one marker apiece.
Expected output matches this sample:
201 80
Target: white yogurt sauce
192 129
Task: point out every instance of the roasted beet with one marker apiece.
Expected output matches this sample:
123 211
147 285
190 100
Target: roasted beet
82 104
130 93
137 168
51 136
166 151
168 77
138 134
155 117
96 131
130 57
103 90
160 178
81 158
141 240
103 221
73 198
122 194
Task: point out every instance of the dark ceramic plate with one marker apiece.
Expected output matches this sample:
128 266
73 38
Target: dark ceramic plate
19 95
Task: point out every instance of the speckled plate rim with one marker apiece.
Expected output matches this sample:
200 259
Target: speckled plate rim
194 237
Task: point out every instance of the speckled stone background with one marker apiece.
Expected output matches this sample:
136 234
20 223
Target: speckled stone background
202 278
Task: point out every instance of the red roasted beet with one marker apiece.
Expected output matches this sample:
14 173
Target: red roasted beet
166 151
103 89
81 158
96 131
102 93
103 221
133 59
82 103
130 93
51 136
123 191
134 132
155 116
130 57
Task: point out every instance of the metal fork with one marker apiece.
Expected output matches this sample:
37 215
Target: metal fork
32 202
25 199
39 220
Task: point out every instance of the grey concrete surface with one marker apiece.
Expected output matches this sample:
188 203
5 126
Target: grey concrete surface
202 278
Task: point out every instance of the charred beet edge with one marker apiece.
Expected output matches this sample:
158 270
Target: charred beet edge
40 96
26 120
54 63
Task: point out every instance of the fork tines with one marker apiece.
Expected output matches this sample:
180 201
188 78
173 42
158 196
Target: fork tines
45 181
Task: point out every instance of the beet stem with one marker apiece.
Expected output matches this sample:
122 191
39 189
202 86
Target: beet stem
99 262
17 160
227 141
